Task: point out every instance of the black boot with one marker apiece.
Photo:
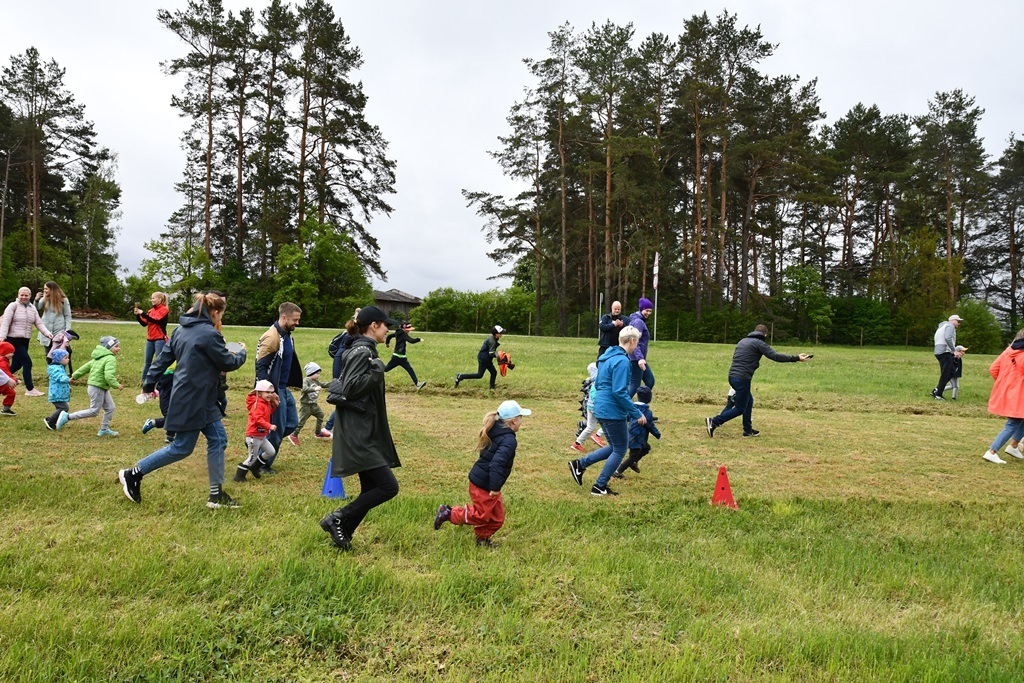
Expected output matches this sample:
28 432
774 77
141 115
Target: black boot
240 472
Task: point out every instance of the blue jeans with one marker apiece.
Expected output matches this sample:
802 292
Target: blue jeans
183 445
153 349
743 404
1014 429
617 433
645 377
330 421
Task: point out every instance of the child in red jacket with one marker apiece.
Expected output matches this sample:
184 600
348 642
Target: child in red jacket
7 388
261 402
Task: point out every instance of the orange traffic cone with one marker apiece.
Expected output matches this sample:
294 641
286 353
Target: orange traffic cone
723 494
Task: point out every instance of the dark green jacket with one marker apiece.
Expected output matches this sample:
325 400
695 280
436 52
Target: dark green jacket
362 437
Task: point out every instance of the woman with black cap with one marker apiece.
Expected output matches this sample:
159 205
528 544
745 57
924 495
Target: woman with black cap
362 440
485 358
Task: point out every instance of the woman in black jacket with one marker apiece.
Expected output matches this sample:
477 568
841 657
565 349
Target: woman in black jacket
201 355
485 358
362 440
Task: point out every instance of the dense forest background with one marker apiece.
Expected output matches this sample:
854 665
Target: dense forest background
869 230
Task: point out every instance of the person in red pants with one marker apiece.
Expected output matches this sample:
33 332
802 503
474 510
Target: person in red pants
497 446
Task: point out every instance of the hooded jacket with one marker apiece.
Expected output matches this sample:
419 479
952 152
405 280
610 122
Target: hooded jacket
362 439
1007 397
201 355
612 401
495 462
638 321
259 415
746 359
102 369
60 384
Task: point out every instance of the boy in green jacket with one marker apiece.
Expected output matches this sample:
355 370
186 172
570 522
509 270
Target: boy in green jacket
102 371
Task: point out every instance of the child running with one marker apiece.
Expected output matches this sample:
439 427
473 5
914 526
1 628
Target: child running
59 393
590 426
261 403
497 446
7 387
639 433
309 405
102 370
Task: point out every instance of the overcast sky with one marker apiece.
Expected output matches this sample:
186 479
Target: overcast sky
442 75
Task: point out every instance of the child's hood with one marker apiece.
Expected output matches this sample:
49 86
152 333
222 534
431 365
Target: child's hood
100 351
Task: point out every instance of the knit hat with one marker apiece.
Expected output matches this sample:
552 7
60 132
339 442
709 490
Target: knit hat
57 355
109 342
264 385
592 370
310 369
645 303
643 394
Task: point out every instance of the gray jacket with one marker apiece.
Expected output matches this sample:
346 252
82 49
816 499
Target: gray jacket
747 356
945 338
55 321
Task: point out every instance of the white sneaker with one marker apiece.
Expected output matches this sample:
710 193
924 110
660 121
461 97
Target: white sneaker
1010 450
993 457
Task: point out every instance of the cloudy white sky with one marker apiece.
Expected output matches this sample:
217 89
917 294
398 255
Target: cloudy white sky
442 75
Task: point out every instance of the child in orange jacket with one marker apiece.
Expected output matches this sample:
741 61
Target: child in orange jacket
261 403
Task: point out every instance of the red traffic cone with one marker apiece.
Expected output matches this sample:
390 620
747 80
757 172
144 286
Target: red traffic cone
723 494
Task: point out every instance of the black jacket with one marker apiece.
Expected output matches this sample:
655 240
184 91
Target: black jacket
747 356
609 331
489 349
202 355
362 437
401 337
495 462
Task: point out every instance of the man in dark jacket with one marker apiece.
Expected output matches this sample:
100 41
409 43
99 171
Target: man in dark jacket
745 361
201 355
277 362
611 324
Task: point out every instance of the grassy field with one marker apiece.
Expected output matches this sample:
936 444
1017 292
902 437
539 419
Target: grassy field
872 542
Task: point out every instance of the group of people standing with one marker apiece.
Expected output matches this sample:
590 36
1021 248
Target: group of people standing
48 315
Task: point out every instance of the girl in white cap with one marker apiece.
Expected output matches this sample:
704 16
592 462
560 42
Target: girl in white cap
497 446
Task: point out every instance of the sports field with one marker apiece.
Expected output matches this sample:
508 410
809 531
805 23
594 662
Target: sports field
872 542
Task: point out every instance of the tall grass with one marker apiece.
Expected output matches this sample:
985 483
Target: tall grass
871 543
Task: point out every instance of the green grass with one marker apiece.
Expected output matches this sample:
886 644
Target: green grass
871 543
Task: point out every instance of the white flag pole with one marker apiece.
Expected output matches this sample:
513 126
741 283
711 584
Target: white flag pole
655 337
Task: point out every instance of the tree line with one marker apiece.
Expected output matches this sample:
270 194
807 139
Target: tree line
684 147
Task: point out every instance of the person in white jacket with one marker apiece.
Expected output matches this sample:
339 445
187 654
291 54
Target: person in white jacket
16 327
945 348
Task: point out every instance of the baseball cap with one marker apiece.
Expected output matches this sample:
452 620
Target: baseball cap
510 409
372 314
497 329
955 317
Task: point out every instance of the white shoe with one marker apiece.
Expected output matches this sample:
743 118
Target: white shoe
993 457
1010 450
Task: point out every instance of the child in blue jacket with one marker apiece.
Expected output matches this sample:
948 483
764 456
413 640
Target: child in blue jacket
60 385
497 444
639 433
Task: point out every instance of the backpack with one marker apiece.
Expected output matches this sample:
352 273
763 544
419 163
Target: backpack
337 344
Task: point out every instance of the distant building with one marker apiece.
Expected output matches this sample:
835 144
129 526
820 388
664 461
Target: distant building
396 302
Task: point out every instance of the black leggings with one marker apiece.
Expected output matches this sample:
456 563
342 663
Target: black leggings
397 362
483 365
22 361
376 486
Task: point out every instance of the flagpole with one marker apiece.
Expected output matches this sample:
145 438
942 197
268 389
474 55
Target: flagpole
655 337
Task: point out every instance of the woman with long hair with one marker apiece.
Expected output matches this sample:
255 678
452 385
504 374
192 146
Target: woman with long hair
362 440
201 355
155 322
55 310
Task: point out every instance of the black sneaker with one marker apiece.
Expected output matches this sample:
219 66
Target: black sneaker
131 485
458 378
596 490
576 471
7 412
49 425
634 465
936 395
420 385
752 432
332 525
618 475
444 514
221 500
267 470
710 424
